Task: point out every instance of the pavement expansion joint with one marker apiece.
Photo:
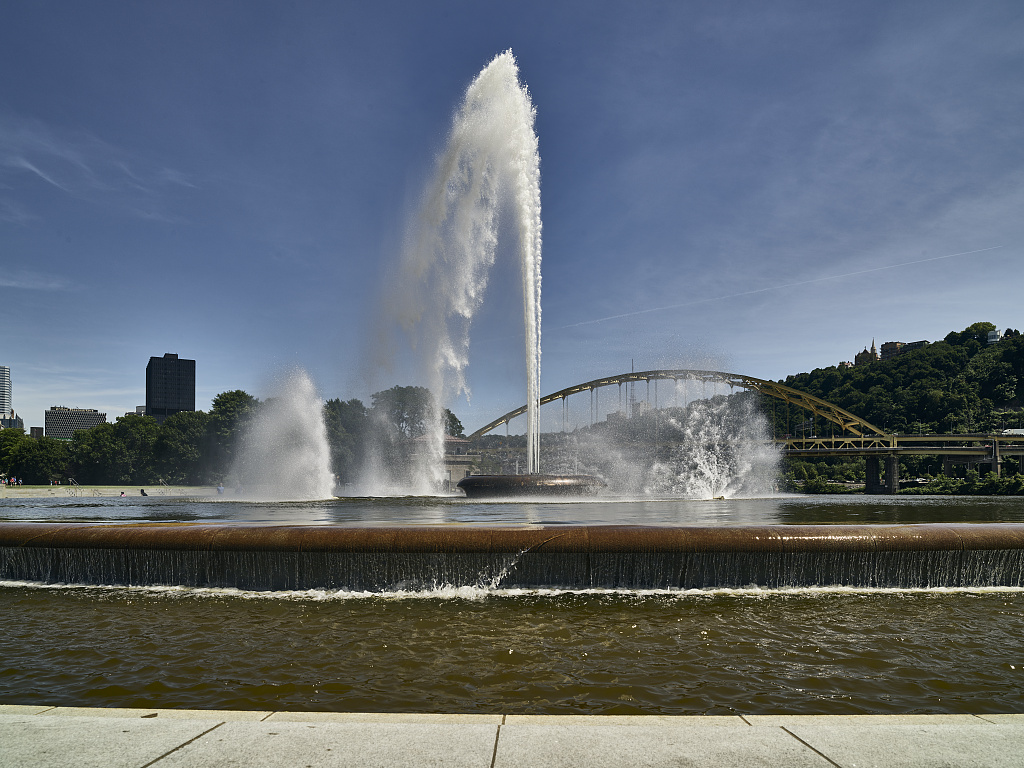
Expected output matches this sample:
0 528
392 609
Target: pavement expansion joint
817 752
180 746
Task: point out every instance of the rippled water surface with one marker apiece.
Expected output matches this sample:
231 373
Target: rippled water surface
474 650
713 653
457 510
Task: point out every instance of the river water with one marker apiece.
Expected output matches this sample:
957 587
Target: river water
819 650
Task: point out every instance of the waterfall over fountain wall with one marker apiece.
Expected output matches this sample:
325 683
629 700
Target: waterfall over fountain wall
562 557
490 168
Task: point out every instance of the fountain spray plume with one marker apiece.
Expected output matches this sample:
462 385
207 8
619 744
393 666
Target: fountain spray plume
284 454
490 167
718 446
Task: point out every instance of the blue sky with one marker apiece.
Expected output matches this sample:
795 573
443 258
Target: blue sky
760 188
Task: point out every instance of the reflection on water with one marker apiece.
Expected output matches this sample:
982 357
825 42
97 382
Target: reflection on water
796 510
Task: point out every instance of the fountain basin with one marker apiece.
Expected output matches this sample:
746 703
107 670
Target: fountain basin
501 486
259 557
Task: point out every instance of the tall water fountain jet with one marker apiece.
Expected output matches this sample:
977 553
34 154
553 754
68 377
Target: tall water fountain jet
490 167
284 454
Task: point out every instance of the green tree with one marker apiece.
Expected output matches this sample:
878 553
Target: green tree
228 419
10 439
404 408
116 454
95 457
345 422
408 409
975 332
452 425
181 448
137 438
35 462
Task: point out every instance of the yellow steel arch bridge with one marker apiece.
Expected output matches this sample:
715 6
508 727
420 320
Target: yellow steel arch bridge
857 427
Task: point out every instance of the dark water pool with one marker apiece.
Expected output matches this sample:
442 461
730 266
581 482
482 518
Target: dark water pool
475 650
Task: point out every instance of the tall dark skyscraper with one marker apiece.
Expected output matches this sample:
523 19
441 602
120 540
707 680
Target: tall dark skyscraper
170 386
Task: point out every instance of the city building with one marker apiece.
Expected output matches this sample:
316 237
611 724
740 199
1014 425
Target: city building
6 409
890 349
893 349
36 432
12 421
459 463
861 358
8 418
170 386
62 423
994 337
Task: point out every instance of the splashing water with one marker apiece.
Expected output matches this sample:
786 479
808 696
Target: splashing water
714 447
723 450
490 167
284 454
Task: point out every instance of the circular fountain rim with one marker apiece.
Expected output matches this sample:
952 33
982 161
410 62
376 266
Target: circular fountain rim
579 539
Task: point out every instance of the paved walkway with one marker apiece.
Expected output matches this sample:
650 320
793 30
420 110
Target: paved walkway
52 737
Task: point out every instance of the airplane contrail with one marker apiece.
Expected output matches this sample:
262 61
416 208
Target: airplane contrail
772 288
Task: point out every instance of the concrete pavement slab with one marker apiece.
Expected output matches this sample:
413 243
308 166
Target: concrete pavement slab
1002 719
645 720
382 717
22 709
216 715
34 741
917 746
618 746
366 745
834 721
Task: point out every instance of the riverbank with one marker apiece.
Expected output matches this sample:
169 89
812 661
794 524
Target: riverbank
64 491
942 485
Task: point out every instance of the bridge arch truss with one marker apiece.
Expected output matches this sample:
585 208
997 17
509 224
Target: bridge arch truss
847 421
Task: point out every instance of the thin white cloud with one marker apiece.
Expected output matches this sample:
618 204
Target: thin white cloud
83 166
171 176
31 281
780 287
21 162
13 213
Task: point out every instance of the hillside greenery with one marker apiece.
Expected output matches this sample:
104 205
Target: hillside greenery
959 384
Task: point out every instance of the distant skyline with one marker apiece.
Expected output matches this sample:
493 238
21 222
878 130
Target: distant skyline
755 188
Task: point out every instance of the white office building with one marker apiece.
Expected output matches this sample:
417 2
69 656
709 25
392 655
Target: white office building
6 409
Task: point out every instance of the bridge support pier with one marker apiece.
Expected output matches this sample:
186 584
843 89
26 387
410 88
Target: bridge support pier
892 474
879 484
871 483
